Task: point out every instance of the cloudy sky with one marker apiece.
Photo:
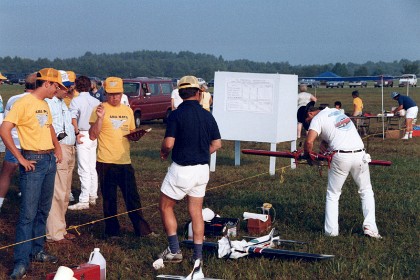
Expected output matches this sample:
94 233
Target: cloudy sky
296 31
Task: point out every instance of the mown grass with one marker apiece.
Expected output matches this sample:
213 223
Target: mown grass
297 195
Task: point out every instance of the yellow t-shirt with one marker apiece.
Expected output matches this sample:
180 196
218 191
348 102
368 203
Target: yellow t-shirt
118 121
205 100
68 99
359 104
33 119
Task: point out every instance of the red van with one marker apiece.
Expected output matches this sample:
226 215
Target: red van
150 98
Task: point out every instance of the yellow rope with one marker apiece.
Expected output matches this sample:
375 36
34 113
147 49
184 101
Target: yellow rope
149 206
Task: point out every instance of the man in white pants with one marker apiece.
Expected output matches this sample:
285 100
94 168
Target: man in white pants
81 108
339 135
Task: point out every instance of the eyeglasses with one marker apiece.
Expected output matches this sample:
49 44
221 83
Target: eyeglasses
57 87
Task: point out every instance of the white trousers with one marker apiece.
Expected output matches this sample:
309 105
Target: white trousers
86 167
342 164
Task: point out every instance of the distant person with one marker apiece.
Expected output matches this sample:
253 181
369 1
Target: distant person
62 122
176 100
95 92
357 104
339 135
192 135
40 152
408 104
358 112
124 100
304 98
337 105
110 123
206 99
10 162
81 107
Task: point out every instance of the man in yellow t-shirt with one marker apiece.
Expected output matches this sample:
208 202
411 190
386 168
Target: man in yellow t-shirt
358 112
40 151
110 122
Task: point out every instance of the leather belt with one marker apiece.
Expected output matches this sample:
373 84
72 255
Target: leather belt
38 152
349 152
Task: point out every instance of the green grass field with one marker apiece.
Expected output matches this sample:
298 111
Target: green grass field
298 196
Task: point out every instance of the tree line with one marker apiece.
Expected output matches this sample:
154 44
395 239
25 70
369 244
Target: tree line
147 63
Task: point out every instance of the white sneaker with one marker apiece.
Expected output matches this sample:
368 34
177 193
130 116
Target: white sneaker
371 233
410 136
197 272
71 198
167 256
405 137
79 206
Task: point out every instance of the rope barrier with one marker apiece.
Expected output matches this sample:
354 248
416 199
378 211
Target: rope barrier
76 227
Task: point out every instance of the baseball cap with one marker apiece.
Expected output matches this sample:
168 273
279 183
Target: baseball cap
2 77
188 82
72 76
65 78
113 85
50 75
394 94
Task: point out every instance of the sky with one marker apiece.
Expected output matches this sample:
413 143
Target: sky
301 32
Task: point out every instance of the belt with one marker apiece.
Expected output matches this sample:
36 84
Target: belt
38 152
349 152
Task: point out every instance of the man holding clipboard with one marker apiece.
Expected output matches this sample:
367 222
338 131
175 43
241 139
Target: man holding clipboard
110 123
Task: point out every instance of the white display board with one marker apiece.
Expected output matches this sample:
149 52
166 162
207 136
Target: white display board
256 107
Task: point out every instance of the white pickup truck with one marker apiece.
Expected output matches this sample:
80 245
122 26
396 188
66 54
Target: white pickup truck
409 79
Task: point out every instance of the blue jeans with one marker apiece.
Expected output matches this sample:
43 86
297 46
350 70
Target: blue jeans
37 189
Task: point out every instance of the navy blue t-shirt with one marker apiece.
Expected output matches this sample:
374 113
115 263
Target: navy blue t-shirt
406 101
193 129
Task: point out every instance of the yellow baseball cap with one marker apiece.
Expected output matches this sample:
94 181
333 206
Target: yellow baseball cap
2 77
50 75
113 85
188 82
72 76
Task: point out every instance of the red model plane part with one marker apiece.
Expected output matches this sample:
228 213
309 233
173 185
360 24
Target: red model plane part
299 155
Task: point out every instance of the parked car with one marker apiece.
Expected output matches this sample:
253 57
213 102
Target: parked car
409 79
149 98
337 84
211 83
310 83
388 82
15 78
357 84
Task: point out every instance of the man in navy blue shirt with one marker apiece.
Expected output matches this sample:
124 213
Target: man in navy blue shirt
192 135
408 104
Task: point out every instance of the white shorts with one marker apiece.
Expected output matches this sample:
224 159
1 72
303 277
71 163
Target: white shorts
412 113
185 180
